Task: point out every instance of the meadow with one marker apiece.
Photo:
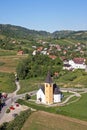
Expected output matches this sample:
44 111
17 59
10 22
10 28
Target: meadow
31 84
7 83
9 62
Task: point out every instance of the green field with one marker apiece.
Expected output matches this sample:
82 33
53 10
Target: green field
8 65
10 62
7 52
7 83
76 110
77 78
30 84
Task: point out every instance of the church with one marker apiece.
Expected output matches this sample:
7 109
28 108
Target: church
49 93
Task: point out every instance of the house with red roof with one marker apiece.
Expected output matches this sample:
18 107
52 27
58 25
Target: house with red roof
77 63
20 52
53 57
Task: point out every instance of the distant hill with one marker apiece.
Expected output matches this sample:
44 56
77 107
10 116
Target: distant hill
21 32
78 35
24 33
16 38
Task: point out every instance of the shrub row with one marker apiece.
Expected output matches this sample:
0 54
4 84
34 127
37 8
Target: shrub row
18 122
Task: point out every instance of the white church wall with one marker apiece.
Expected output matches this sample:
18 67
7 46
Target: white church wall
40 95
76 66
57 98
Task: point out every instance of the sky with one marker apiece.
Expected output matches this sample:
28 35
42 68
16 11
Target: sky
46 15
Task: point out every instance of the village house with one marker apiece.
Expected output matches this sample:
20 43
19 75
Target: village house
53 57
20 52
76 63
39 49
67 67
34 52
49 93
64 52
58 47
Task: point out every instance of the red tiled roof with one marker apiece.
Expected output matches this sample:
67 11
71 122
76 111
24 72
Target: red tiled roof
53 57
20 52
40 49
63 58
79 60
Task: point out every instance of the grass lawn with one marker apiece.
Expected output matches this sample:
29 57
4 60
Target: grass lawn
6 83
76 110
30 84
7 52
77 78
33 97
66 95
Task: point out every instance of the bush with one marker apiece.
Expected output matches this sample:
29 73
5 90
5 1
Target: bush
8 110
19 120
27 96
4 126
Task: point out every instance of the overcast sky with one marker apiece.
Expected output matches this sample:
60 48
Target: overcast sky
48 15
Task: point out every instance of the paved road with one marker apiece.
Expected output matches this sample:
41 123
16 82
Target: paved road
12 98
8 103
9 100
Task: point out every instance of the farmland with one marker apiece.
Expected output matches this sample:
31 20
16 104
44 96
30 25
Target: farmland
45 121
7 82
10 63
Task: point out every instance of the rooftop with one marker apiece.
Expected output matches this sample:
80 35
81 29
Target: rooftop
48 78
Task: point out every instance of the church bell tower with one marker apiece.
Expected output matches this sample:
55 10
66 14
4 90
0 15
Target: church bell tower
49 89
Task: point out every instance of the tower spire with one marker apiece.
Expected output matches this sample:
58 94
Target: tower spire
48 78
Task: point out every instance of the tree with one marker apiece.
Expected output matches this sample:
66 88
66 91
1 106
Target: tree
38 65
27 96
22 69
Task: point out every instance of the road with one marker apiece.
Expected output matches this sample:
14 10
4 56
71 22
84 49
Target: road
9 100
12 98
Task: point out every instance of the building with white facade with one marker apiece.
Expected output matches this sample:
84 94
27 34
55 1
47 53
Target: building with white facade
49 93
76 63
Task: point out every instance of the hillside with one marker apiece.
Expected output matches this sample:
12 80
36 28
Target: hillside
19 38
7 30
20 32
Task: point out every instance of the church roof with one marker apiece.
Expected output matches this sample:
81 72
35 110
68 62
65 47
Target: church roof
43 89
56 89
48 78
